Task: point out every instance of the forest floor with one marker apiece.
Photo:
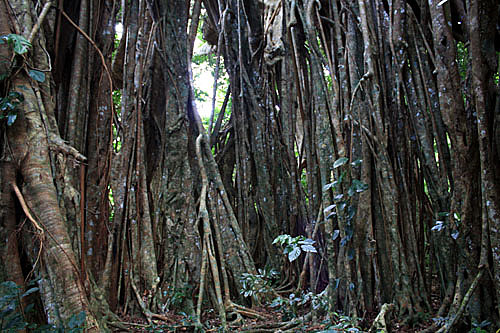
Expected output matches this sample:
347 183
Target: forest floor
272 321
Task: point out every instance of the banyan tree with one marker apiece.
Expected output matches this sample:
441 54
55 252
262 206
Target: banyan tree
364 134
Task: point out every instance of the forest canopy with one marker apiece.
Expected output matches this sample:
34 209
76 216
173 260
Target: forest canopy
293 165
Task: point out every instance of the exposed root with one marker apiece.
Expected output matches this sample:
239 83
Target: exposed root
244 311
286 326
455 318
380 321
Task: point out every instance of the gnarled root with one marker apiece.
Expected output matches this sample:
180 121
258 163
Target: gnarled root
380 322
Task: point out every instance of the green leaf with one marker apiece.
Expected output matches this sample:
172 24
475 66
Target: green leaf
336 234
29 292
20 44
350 254
327 186
29 308
351 211
338 197
351 191
307 241
356 162
288 249
282 239
359 185
337 182
438 226
16 95
329 208
37 75
294 254
77 320
308 248
341 161
11 119
331 214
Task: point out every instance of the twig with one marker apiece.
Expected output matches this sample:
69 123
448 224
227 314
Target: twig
42 16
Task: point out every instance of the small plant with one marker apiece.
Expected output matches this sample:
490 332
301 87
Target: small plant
253 285
343 207
442 224
290 306
319 301
9 106
480 327
10 101
343 323
175 296
440 321
287 306
76 323
188 320
20 44
295 245
13 317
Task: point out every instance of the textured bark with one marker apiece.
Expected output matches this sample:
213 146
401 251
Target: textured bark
10 259
486 99
408 87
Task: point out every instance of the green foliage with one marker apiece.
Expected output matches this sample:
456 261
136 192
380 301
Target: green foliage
480 327
117 105
14 318
117 101
290 305
37 75
295 245
442 224
462 59
175 296
343 206
9 103
343 323
17 42
9 106
203 66
253 285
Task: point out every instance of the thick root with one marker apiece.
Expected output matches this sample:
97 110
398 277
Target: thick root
380 322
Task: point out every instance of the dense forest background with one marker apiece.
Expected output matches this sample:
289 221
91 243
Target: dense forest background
347 176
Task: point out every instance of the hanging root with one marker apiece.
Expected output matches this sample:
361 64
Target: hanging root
208 248
227 308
